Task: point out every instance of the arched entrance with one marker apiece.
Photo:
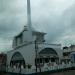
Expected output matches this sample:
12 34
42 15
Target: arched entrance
17 61
48 55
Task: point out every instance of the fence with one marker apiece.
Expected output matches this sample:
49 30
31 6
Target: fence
43 69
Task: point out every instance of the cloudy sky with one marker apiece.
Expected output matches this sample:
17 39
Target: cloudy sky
55 17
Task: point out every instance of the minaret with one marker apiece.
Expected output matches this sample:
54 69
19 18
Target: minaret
27 34
29 15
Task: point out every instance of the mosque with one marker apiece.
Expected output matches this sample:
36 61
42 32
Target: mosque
30 48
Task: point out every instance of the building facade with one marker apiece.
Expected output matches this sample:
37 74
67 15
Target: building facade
25 46
30 48
68 54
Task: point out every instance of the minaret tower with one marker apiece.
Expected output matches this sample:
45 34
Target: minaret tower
29 24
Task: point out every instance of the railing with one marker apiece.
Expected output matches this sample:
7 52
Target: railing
43 69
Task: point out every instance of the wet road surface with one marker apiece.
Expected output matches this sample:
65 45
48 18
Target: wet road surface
71 72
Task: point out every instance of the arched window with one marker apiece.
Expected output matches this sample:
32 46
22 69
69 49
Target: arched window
48 51
17 60
48 54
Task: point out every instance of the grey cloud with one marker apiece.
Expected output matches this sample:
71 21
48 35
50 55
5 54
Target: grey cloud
67 22
47 16
12 17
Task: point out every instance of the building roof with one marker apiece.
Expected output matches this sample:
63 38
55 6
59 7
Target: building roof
34 32
72 46
38 33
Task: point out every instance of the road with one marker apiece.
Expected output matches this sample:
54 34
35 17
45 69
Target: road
70 72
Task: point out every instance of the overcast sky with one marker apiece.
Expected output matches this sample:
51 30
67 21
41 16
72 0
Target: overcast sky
55 17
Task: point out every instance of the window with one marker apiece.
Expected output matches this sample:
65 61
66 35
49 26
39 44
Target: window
19 39
52 59
17 60
46 60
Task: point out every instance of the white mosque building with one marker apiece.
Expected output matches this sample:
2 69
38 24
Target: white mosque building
30 48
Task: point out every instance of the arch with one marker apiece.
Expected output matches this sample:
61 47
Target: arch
48 51
17 60
17 56
48 55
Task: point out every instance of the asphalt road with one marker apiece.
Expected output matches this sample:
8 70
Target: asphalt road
70 72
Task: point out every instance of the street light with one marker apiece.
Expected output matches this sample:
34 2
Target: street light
36 52
36 49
